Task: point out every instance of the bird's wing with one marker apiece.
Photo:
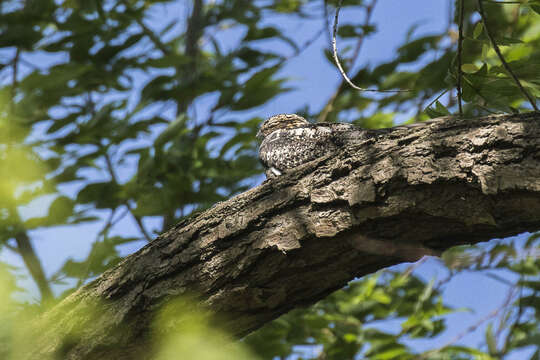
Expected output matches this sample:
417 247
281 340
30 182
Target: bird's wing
287 149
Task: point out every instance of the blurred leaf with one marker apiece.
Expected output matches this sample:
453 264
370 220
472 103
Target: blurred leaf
469 68
104 195
478 29
259 89
414 49
176 128
261 33
438 111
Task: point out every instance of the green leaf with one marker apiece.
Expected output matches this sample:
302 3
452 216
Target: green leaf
104 195
170 61
175 129
346 31
438 111
490 339
414 49
507 41
469 68
60 210
259 89
532 240
255 33
237 141
478 29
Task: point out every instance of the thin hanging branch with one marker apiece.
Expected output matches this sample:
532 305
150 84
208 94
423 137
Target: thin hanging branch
459 58
501 57
338 63
360 41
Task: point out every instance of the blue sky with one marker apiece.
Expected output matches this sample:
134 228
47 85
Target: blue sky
314 79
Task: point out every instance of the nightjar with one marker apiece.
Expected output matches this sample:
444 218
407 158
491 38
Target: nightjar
289 140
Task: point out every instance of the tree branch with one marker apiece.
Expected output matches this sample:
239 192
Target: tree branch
136 218
32 263
389 196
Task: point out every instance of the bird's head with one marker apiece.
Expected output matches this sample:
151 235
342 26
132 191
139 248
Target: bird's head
278 122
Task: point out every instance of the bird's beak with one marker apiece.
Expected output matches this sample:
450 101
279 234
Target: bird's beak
259 134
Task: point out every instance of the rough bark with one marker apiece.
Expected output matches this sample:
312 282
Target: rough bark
389 198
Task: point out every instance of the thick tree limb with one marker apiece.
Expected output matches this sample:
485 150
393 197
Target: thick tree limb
388 198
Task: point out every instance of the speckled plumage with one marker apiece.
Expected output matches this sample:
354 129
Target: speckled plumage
289 140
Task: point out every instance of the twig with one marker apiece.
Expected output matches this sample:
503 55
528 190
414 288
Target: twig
450 15
328 107
11 247
15 65
120 217
501 57
498 278
15 74
459 54
148 32
516 322
327 22
105 228
471 328
338 63
483 107
108 223
303 47
437 98
110 169
360 42
420 106
410 269
137 218
28 63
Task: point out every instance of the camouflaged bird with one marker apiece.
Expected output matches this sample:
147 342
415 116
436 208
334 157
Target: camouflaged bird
289 140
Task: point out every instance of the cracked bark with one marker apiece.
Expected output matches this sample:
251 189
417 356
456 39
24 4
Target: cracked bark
388 198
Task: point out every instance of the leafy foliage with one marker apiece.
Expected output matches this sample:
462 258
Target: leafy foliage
100 114
352 322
